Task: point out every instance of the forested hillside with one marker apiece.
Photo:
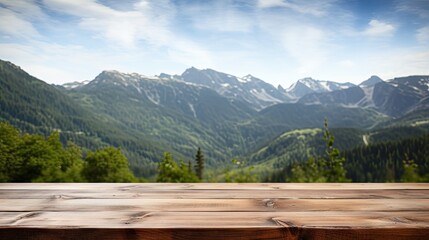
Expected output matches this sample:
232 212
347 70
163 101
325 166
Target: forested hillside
148 116
173 114
378 162
36 107
383 162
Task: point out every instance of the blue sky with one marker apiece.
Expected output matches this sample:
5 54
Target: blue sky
279 41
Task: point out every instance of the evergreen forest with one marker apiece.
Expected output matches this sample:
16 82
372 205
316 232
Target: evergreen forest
28 157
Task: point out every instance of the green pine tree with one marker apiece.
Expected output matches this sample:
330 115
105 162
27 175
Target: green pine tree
199 167
334 169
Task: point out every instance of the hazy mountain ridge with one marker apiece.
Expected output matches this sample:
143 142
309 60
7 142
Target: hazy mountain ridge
395 98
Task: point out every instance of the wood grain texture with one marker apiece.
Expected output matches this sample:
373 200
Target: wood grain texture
214 211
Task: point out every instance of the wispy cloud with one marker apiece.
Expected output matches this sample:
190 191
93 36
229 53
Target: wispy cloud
270 3
147 21
17 17
315 8
378 28
419 8
28 9
422 35
219 16
121 27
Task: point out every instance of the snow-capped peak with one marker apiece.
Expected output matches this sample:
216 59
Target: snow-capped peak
309 85
316 85
127 76
308 82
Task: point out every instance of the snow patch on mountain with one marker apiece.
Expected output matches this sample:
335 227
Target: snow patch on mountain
152 96
192 110
138 89
264 96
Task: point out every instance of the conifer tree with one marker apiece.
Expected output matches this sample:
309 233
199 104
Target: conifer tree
199 167
335 171
189 167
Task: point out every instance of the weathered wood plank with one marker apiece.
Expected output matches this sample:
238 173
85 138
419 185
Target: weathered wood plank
112 219
214 211
207 205
214 194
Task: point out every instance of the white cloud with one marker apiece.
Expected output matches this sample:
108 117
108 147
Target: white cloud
147 21
378 28
416 7
315 8
26 8
270 3
81 8
11 24
423 35
121 27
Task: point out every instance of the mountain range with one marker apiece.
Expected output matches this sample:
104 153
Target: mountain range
225 115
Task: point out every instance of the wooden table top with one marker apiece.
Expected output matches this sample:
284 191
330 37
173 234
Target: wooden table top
213 211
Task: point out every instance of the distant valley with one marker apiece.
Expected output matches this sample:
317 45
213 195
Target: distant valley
227 116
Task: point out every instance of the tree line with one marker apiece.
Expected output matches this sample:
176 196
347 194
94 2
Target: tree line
36 158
